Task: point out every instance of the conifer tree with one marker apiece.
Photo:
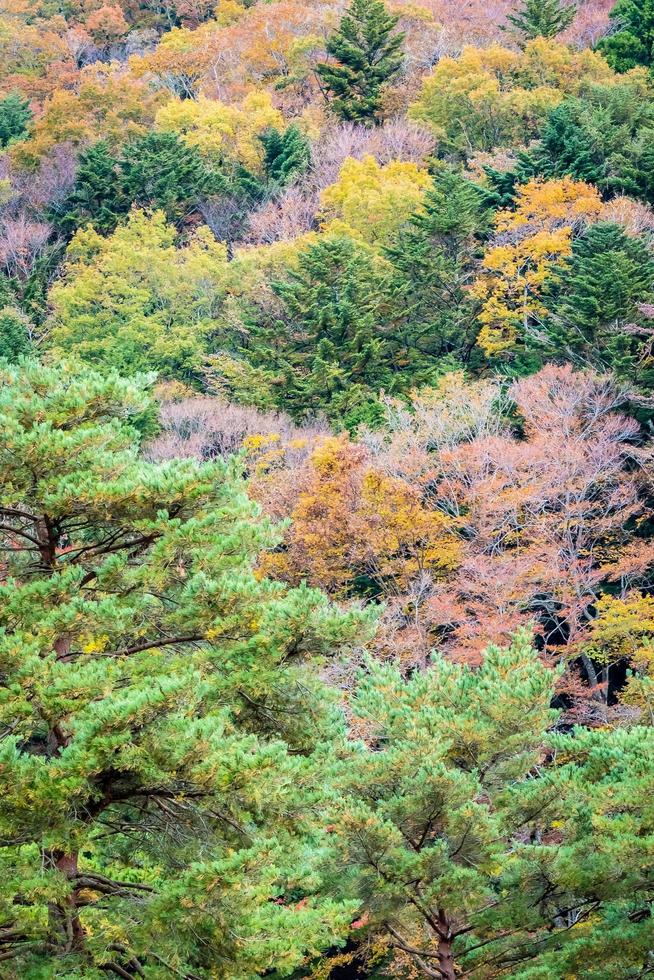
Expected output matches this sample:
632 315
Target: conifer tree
542 18
14 333
589 862
158 722
15 116
596 316
159 170
426 829
479 841
434 257
285 154
342 326
632 44
97 197
604 139
367 53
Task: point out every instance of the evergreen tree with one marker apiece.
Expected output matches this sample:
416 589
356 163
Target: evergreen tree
15 117
604 138
542 18
567 147
159 170
632 43
32 293
285 154
589 860
476 841
435 260
367 54
343 333
158 720
596 317
97 197
426 829
14 334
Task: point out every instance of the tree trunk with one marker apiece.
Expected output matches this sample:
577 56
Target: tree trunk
445 952
66 930
446 959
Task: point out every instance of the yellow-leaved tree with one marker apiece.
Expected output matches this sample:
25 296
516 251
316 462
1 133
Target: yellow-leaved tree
223 132
529 242
373 201
354 528
497 97
623 630
135 302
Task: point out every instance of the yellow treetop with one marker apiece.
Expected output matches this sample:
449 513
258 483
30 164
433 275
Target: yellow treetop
352 520
497 97
373 201
222 131
537 234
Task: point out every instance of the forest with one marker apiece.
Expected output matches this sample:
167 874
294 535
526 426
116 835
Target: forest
326 489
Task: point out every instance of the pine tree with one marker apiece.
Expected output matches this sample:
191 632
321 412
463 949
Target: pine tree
158 721
367 54
590 862
542 18
426 830
596 316
434 257
632 44
15 116
286 154
97 197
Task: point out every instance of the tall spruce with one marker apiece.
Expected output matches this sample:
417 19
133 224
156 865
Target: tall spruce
342 330
158 721
367 52
286 155
435 261
599 311
542 18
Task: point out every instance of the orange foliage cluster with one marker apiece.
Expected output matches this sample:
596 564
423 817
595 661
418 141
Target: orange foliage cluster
467 525
353 523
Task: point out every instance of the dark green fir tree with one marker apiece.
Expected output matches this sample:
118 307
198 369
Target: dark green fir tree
542 18
97 197
434 257
15 117
367 53
161 171
286 154
599 309
343 328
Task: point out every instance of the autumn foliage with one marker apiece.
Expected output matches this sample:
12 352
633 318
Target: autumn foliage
326 489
